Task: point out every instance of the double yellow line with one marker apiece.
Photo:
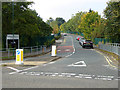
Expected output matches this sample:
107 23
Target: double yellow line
107 59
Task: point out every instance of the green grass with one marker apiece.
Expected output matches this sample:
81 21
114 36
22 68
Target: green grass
8 58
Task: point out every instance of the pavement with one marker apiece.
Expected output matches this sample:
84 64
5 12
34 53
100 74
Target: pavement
36 60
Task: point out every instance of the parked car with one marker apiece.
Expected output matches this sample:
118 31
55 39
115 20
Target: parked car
86 43
78 37
64 34
81 39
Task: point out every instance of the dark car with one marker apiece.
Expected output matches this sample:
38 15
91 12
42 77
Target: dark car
87 43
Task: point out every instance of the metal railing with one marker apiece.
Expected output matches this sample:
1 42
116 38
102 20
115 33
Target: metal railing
111 47
34 50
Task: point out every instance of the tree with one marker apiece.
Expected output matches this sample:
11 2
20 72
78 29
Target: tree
27 23
112 14
89 24
55 24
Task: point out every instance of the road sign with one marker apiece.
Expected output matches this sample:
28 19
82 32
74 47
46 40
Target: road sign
19 56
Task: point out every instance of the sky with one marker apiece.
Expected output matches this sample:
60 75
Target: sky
66 8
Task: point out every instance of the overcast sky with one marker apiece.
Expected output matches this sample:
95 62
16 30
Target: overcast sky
65 8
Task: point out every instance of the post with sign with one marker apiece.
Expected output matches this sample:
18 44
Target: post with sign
54 51
19 56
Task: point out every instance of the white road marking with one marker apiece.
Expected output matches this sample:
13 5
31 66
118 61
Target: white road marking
58 50
49 63
67 50
16 70
78 64
30 68
69 75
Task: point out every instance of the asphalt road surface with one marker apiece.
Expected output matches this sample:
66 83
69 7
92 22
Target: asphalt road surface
78 68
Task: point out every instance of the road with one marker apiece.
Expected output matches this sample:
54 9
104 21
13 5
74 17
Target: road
78 68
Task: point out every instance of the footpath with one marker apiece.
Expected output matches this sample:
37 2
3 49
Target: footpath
36 60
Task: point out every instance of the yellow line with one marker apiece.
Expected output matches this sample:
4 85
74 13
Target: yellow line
106 59
109 62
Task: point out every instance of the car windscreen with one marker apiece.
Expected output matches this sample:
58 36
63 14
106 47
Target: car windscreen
88 41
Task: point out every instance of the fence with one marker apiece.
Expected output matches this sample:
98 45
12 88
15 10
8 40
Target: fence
111 47
77 33
97 40
35 50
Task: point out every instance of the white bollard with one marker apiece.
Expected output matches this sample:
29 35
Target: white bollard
19 56
54 51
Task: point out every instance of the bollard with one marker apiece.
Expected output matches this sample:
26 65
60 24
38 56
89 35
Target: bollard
54 51
8 53
19 56
42 49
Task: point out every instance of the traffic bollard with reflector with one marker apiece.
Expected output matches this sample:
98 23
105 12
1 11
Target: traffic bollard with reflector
19 56
54 51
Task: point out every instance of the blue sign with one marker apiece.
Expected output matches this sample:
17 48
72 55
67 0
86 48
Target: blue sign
18 52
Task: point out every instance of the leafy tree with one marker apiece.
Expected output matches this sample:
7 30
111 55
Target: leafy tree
27 23
55 24
89 22
112 14
60 21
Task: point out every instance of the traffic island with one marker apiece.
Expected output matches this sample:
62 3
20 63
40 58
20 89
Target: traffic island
33 62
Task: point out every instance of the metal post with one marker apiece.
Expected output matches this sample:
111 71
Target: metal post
8 53
45 48
13 23
37 49
31 49
41 49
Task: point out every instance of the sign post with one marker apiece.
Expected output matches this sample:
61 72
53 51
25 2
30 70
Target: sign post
19 56
54 51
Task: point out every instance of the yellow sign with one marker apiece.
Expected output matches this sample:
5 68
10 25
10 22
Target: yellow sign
18 57
21 55
55 51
